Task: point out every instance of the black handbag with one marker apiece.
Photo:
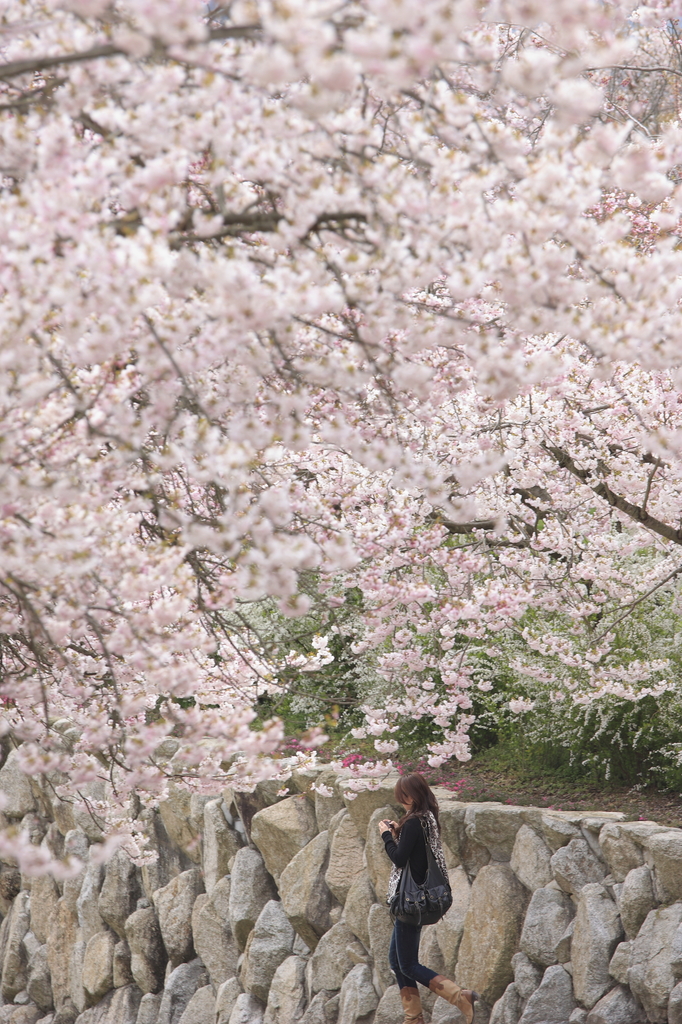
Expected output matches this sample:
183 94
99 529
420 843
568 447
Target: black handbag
426 903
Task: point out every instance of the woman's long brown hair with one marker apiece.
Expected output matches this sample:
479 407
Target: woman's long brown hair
415 787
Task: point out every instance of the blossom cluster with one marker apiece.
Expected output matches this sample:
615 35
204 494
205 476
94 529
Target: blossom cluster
299 291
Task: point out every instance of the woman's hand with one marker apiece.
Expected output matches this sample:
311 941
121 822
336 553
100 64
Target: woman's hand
387 826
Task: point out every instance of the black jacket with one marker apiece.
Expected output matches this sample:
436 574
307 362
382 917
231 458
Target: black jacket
410 848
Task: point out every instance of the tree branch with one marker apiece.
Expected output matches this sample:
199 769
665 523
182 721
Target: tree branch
635 512
32 64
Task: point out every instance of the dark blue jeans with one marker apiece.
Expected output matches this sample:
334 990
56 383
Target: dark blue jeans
403 956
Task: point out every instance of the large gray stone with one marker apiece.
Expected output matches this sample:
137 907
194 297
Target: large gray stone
380 932
556 827
345 858
270 943
652 973
173 904
123 975
77 991
527 975
450 928
618 1006
360 899
16 789
458 846
303 889
597 933
247 804
60 941
665 852
43 905
494 826
148 1011
98 966
620 850
39 986
508 1007
26 1014
252 887
281 830
575 865
364 804
286 999
10 884
181 985
390 1007
549 914
553 1001
491 931
444 1013
213 939
358 998
201 1007
327 806
120 1006
76 847
90 920
169 862
15 961
379 865
119 893
675 1005
333 959
176 815
621 962
226 997
148 956
636 899
246 1010
221 843
530 859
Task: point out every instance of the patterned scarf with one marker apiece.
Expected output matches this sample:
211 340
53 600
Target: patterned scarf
436 848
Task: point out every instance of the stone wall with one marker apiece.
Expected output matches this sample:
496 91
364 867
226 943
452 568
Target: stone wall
263 909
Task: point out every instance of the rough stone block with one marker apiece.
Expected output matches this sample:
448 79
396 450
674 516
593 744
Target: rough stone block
221 843
281 830
450 928
304 892
148 955
636 899
665 851
360 899
173 905
495 827
547 918
618 1006
286 999
212 935
120 891
98 966
270 943
575 866
553 1000
251 888
346 853
652 974
597 933
491 931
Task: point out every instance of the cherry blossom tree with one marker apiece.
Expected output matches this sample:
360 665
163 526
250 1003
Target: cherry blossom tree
299 298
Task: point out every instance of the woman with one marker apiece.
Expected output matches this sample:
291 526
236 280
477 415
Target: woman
405 843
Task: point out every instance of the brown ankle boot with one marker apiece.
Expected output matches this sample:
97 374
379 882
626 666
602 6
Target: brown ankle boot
412 1005
462 998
